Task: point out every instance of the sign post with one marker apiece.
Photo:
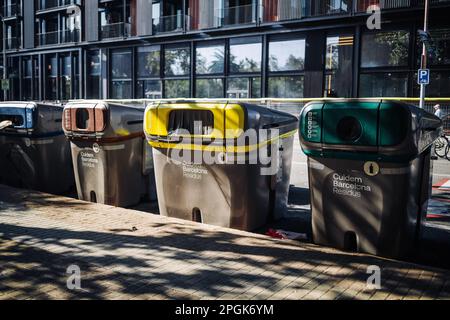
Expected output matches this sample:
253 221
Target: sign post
423 62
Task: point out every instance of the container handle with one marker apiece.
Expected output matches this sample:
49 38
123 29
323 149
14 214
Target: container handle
5 124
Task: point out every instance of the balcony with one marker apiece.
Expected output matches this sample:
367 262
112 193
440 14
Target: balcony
361 6
236 15
115 30
176 23
12 10
12 43
285 10
54 4
58 37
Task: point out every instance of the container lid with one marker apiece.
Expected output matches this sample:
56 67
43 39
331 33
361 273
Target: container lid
363 128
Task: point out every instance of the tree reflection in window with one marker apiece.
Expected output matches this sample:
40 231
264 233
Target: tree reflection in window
287 55
245 57
384 49
210 59
177 61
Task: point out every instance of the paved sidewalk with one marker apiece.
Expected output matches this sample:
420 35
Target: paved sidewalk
125 254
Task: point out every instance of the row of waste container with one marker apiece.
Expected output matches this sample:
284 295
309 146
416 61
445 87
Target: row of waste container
229 164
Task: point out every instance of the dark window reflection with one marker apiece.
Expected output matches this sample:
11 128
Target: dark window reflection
148 61
383 85
384 49
244 87
121 74
177 88
209 88
286 87
93 74
339 66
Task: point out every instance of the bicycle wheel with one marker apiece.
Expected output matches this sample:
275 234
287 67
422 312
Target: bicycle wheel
447 152
440 146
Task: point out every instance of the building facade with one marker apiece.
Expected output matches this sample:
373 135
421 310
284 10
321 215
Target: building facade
123 49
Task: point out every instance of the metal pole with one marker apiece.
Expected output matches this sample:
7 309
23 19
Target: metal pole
4 54
423 61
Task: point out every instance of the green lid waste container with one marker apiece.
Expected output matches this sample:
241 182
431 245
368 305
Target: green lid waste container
225 164
112 161
34 153
369 173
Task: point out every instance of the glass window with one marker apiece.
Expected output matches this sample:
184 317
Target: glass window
148 61
439 85
286 87
51 88
121 64
339 66
177 61
66 78
209 88
383 85
385 49
441 51
53 66
121 90
210 59
149 89
177 89
287 55
245 55
27 79
244 87
121 74
93 74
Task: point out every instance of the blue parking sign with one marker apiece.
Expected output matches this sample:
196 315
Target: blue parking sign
423 76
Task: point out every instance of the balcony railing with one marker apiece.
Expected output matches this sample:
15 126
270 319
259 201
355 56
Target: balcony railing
115 30
284 10
175 23
52 4
12 43
58 37
236 15
361 6
11 10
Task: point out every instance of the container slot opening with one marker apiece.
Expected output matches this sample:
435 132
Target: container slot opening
349 129
193 121
93 197
17 120
197 215
82 119
350 241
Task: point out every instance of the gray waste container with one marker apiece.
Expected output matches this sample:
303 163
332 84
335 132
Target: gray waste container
112 162
34 153
369 173
206 171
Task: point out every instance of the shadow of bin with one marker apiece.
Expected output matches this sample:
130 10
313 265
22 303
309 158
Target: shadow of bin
369 173
34 153
112 162
208 171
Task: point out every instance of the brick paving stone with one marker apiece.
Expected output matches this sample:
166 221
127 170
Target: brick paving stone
174 259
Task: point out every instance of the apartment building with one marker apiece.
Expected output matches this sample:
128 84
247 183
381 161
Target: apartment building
122 49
